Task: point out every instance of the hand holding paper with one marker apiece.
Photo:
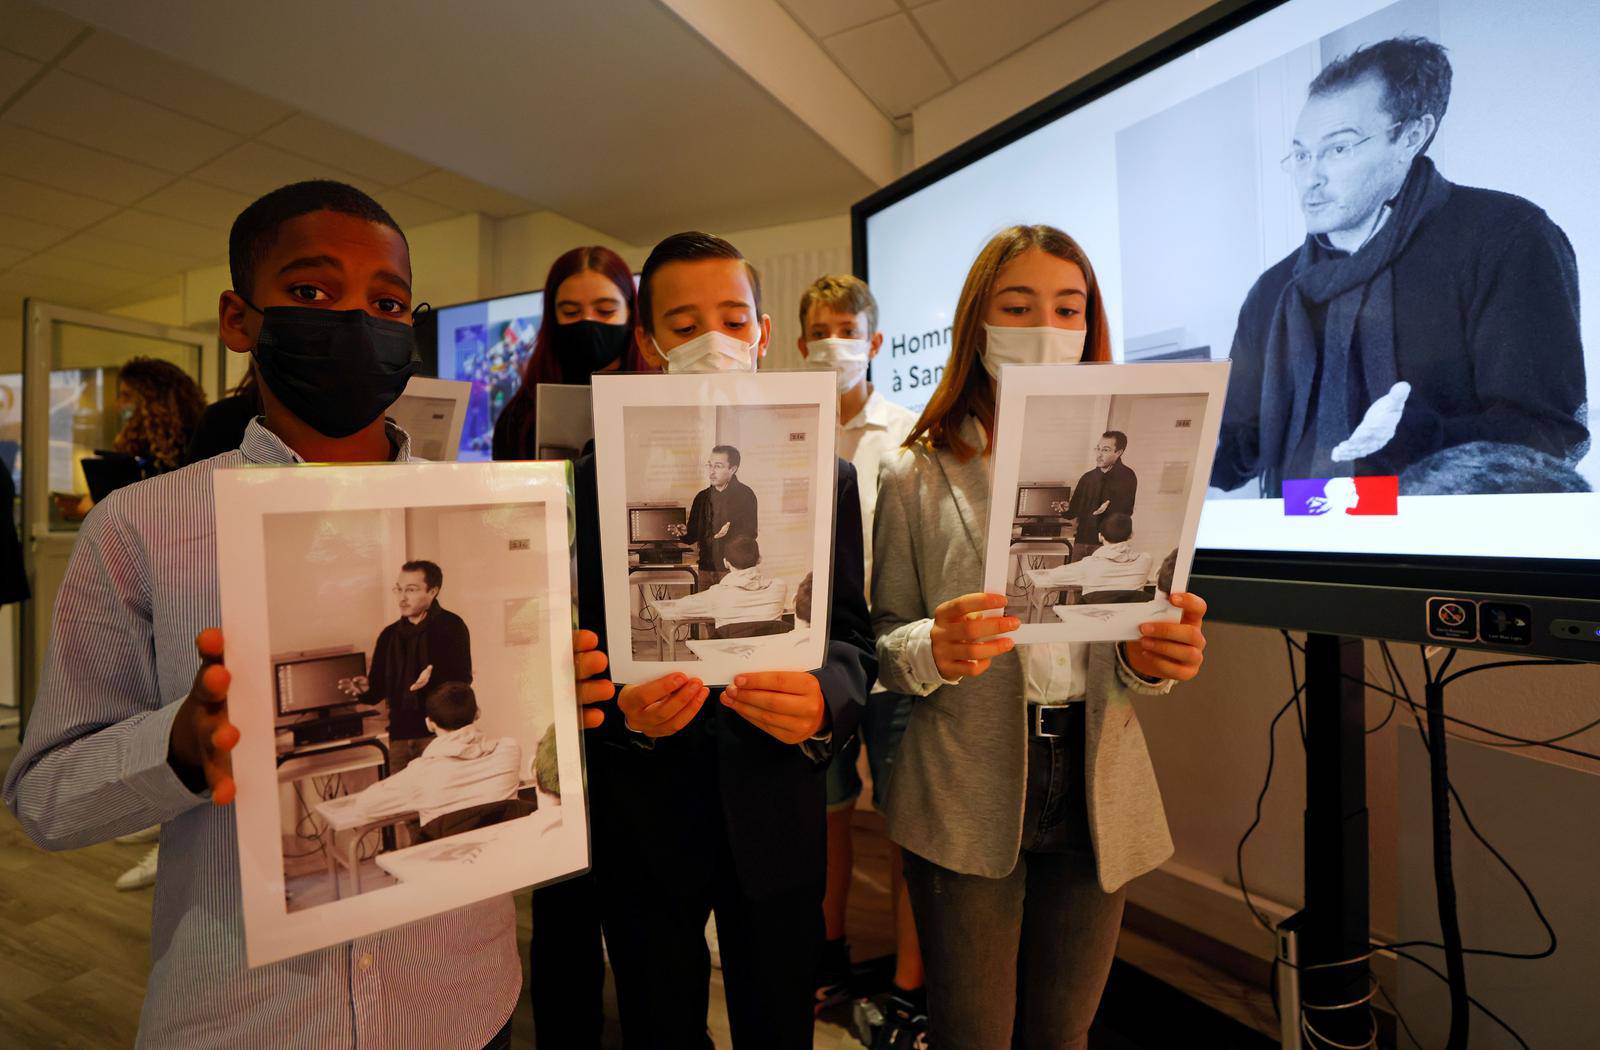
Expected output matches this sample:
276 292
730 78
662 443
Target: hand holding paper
1376 428
202 737
1171 650
964 639
788 705
589 663
662 707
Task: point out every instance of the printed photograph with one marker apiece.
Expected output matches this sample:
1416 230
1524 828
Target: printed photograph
1097 493
412 663
723 520
1102 489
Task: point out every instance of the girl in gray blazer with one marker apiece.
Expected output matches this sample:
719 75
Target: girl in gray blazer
1022 795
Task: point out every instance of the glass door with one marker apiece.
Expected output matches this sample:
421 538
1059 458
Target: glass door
70 412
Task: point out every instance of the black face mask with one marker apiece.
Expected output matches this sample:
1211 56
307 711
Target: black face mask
337 370
583 348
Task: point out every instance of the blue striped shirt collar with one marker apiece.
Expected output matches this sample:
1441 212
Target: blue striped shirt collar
264 448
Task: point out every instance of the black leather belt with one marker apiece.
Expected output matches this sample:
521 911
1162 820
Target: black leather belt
1047 721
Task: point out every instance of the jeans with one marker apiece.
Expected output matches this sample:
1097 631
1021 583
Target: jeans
1028 953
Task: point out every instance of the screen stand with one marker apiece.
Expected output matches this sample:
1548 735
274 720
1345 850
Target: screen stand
1335 925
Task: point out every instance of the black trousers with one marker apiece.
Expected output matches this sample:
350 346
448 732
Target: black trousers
566 966
655 933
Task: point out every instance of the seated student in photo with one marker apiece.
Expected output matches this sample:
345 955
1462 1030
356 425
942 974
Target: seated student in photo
743 598
711 802
1113 568
131 726
459 769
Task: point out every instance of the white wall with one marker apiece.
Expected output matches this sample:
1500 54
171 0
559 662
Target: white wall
328 578
1158 436
779 469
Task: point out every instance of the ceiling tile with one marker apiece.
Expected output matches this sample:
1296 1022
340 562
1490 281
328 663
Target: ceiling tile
161 232
198 203
410 210
111 278
77 169
973 34
73 108
41 203
120 64
321 141
140 258
913 77
463 194
18 232
16 286
14 72
826 17
37 32
253 168
162 289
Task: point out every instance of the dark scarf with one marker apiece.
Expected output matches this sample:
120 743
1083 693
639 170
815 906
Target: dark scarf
410 652
1357 292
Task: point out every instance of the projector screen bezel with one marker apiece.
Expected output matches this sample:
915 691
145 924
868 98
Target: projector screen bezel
1380 596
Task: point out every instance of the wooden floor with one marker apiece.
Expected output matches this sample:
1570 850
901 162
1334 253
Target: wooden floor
74 951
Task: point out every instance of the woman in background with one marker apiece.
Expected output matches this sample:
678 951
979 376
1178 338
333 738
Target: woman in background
587 327
161 406
1023 796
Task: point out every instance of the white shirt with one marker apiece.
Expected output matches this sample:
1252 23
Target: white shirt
459 769
877 430
1112 567
742 596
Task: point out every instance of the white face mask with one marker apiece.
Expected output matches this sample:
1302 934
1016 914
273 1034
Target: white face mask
1031 346
712 352
847 357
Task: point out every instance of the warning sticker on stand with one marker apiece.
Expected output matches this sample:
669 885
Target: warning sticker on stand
1453 619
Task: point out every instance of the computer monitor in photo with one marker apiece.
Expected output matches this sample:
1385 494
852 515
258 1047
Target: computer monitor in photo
312 684
1042 501
655 524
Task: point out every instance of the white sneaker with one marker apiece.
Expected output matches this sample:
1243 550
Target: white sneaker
140 838
711 942
141 874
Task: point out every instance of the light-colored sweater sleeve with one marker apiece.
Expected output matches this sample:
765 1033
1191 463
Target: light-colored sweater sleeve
899 613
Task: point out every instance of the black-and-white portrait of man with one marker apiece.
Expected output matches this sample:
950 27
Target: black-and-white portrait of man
1417 315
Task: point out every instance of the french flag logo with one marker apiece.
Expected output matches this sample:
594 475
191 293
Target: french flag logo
1327 497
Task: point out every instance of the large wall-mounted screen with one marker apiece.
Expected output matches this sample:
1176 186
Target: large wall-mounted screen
1383 213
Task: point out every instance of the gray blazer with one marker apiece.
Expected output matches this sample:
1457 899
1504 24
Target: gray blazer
956 792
